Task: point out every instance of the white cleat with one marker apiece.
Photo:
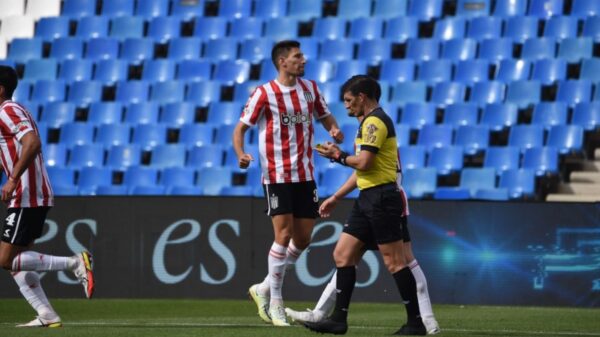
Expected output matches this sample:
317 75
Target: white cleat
262 303
84 273
305 316
277 314
40 322
432 327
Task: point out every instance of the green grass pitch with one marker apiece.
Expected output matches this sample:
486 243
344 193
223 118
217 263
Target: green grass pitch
133 317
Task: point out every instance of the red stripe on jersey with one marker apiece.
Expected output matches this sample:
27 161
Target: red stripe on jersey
14 154
284 135
261 103
299 135
270 146
311 131
320 104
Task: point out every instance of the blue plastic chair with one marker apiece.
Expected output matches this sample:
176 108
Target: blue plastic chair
470 8
423 49
320 71
585 8
590 69
158 70
336 50
137 50
329 28
231 159
184 48
402 134
58 113
152 8
412 156
477 179
78 8
92 27
304 10
461 114
76 133
86 155
519 182
25 49
366 28
548 114
521 28
490 92
374 51
206 156
62 177
496 49
539 48
242 91
142 113
246 28
446 93
126 27
113 134
120 157
545 9
85 92
194 70
196 134
420 183
400 29
230 72
177 176
208 28
213 179
281 28
459 49
407 92
435 135
75 70
224 113
40 69
511 70
202 93
140 176
561 27
587 115
548 71
103 48
111 190
270 8
346 69
484 27
132 91
574 91
114 8
22 94
48 91
393 70
435 71
566 138
149 135
507 8
389 9
257 49
450 28
526 136
331 179
574 50
502 158
425 10
147 190
105 113
416 115
177 114
524 93
472 138
110 72
223 135
91 177
168 155
541 160
164 28
232 9
188 10
221 49
50 28
591 28
54 154
352 9
237 191
331 91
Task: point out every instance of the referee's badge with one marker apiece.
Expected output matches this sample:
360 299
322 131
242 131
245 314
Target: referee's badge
274 201
308 96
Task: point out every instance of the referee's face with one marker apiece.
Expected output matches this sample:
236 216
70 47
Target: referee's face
293 63
354 104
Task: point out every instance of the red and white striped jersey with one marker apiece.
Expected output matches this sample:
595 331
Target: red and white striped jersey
285 128
33 188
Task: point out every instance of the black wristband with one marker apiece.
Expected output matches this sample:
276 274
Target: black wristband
341 158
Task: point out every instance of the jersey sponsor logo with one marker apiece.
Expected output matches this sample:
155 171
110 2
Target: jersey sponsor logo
287 119
371 137
308 96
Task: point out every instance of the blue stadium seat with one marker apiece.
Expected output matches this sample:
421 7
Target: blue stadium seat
137 50
450 28
40 69
511 70
206 156
461 114
352 9
566 138
423 49
168 155
223 135
110 72
348 68
400 29
445 93
374 51
75 70
574 91
548 114
132 91
213 179
507 8
585 8
435 135
526 136
402 134
309 46
256 50
521 28
366 28
224 113
158 70
425 10
591 28
446 159
416 115
120 157
267 71
209 28
502 158
177 176
331 90
50 28
91 177
221 49
115 8
545 9
270 8
561 27
23 92
471 8
140 176
105 113
75 9
320 71
419 183
242 91
113 134
240 191
142 113
194 70
331 179
202 93
519 182
393 70
490 92
232 9
523 93
590 69
196 134
231 159
496 49
539 48
85 92
184 48
149 135
230 72
548 71
459 49
111 190
574 50
48 91
188 10
281 28
304 10
164 28
55 154
587 115
541 160
336 50
435 71
477 179
389 9
246 28
92 27
126 27
86 155
484 27
412 156
76 133
177 114
58 113
63 179
329 28
24 49
472 138
405 92
341 116
152 8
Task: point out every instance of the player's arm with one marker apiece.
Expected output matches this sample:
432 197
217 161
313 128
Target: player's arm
330 124
31 146
244 159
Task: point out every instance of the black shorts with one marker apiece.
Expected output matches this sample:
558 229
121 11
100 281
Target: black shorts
23 225
300 199
377 216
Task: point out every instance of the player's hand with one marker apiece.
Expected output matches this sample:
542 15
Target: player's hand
8 189
328 150
327 207
244 160
336 134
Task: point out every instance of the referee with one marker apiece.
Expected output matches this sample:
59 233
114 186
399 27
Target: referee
377 212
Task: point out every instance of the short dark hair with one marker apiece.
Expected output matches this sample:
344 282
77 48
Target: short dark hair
281 48
8 79
363 84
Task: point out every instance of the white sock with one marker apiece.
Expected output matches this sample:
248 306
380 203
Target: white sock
263 287
327 299
34 261
31 288
276 271
292 254
422 292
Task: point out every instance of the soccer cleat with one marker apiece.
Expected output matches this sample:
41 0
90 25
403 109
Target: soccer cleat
277 314
262 303
84 273
432 327
328 326
40 322
305 316
412 330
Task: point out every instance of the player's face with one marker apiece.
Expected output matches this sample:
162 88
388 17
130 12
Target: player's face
293 63
354 104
